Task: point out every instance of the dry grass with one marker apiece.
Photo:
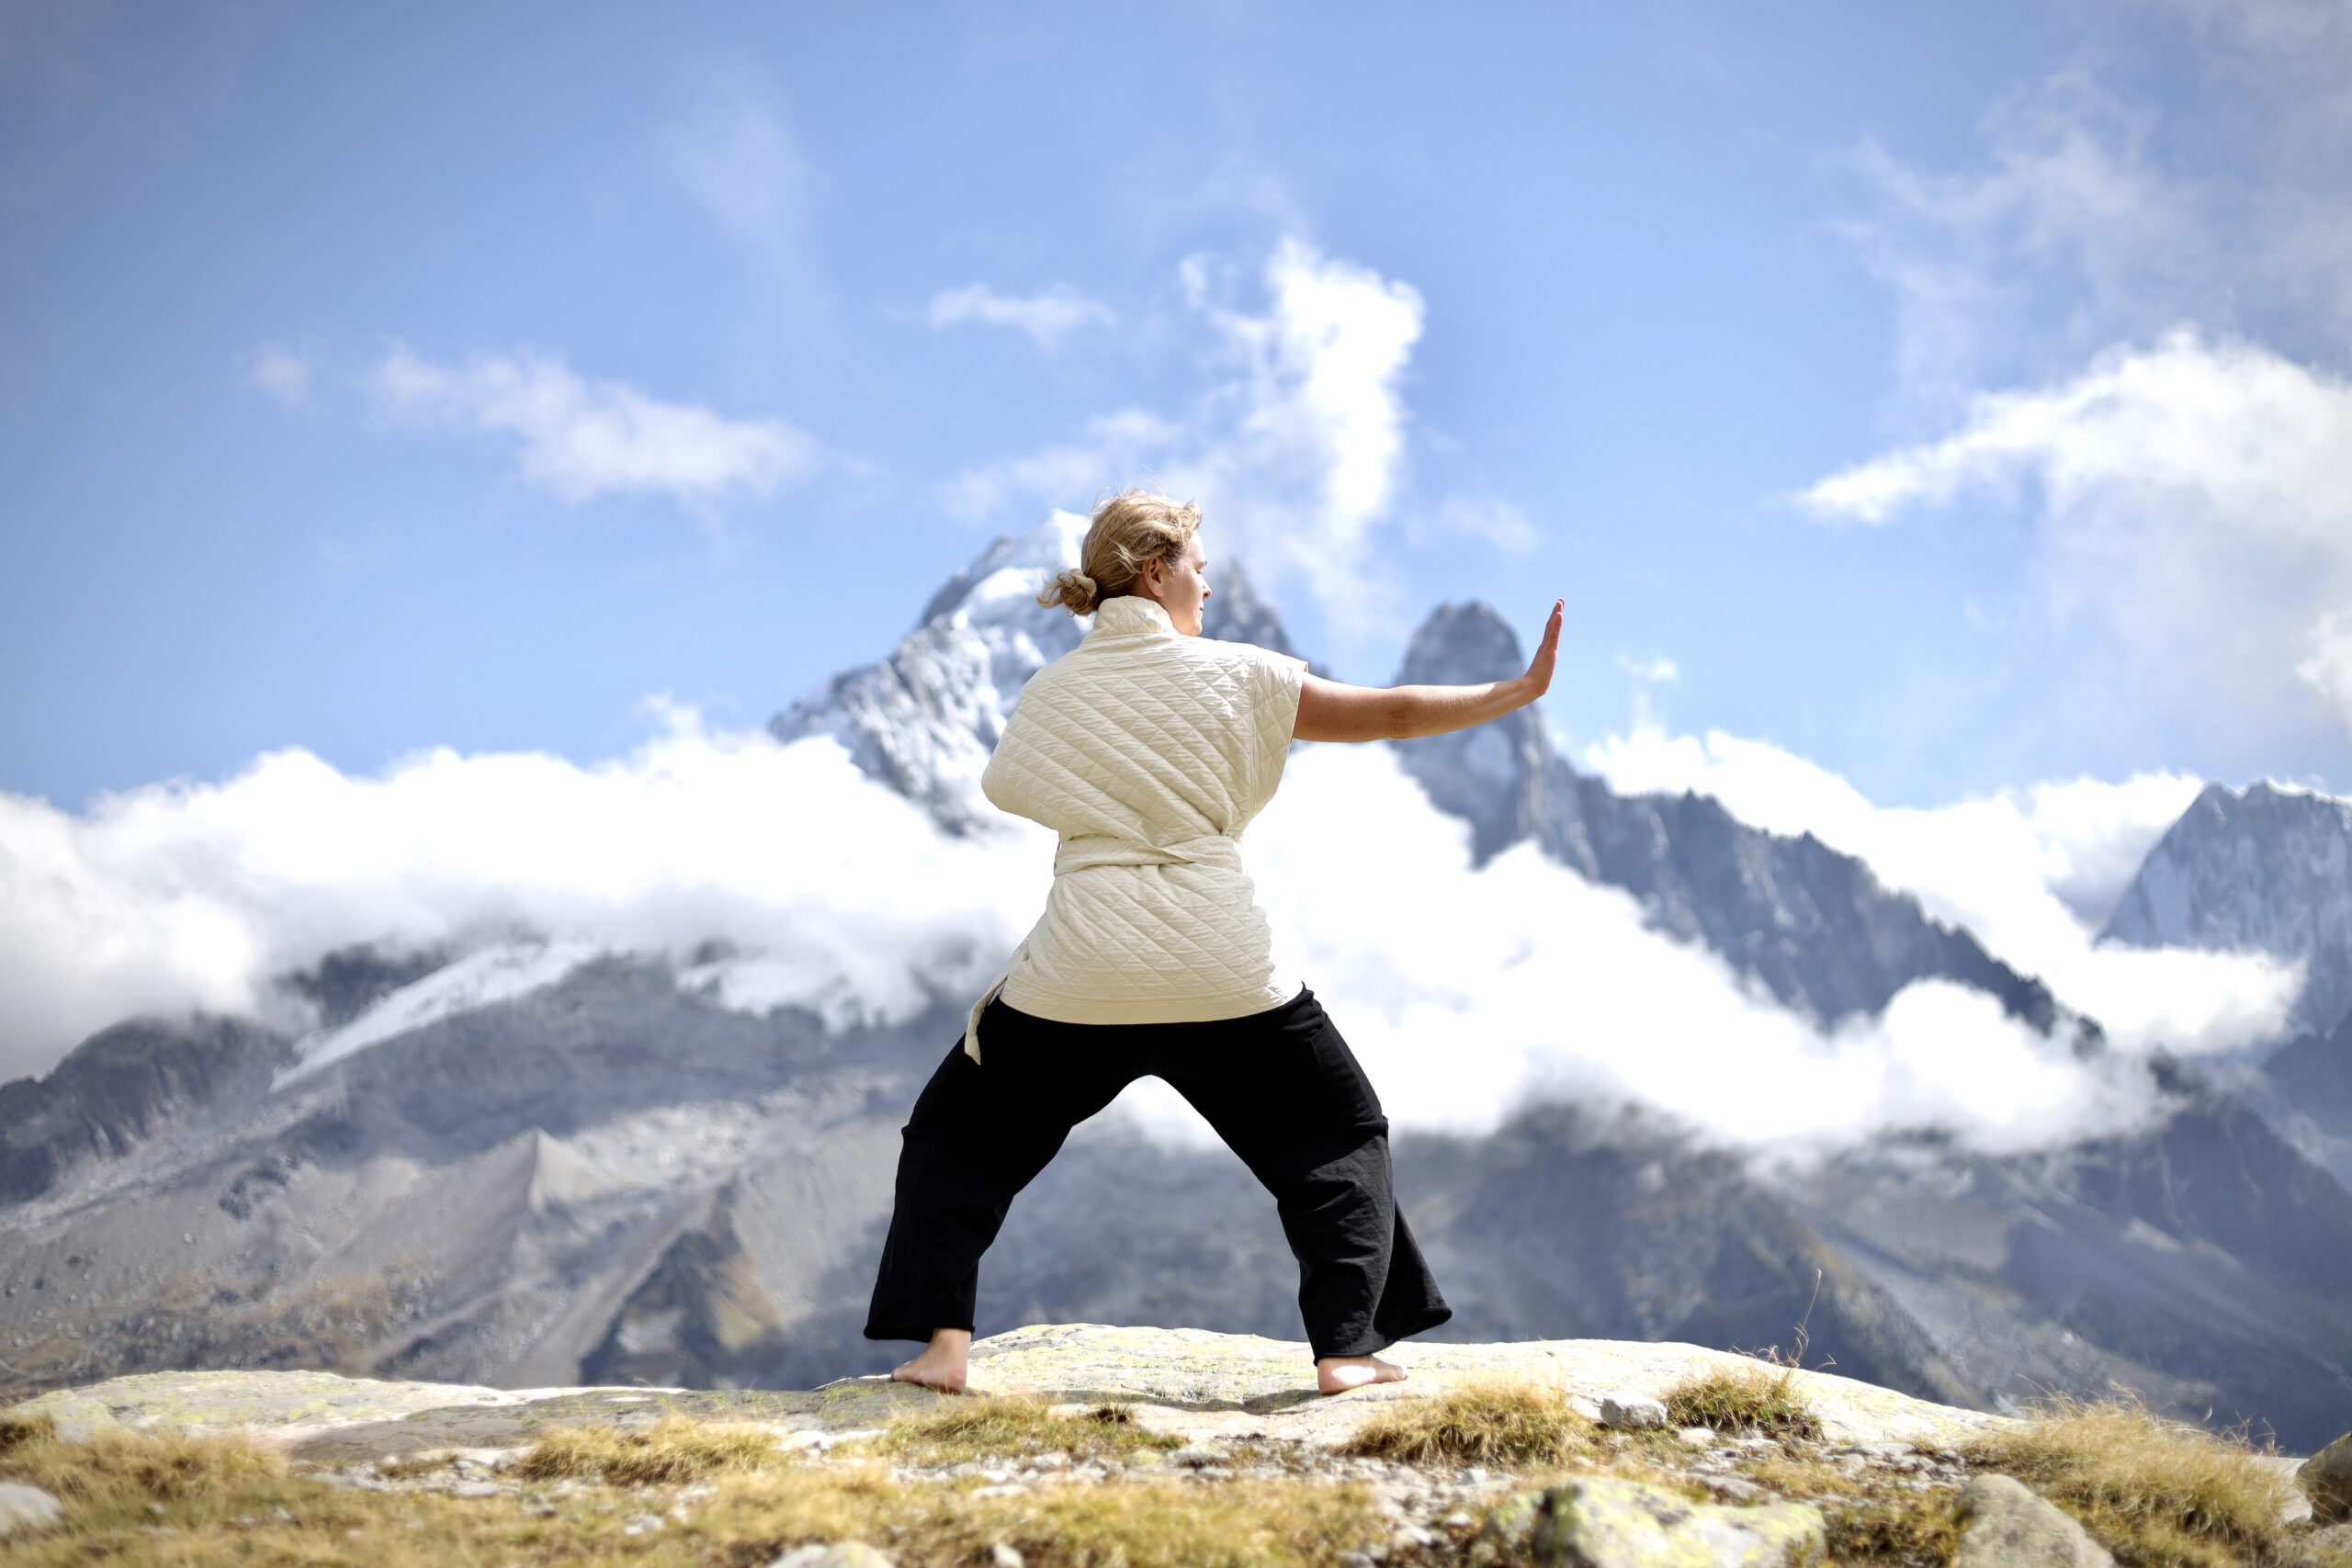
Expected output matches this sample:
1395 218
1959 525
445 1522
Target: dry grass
1491 1421
1755 1397
152 1501
120 1472
672 1451
1012 1425
1892 1529
2156 1492
1135 1525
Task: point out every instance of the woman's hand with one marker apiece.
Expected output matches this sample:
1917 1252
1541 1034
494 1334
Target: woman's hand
1547 652
1329 711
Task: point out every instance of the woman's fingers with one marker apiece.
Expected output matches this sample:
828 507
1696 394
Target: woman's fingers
1538 671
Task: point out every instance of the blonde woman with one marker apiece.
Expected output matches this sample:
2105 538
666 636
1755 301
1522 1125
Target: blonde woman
1148 748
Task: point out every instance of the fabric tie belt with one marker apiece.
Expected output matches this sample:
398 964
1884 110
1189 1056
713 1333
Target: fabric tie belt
1091 853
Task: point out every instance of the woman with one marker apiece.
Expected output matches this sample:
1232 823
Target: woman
1148 748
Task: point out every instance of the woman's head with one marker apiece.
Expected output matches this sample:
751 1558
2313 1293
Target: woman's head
1142 543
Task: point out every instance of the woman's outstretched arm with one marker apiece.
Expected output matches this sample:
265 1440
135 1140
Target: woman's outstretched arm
1329 711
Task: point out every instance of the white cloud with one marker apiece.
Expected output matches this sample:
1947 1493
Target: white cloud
2033 873
1048 316
282 371
2196 500
843 895
1120 447
735 156
1323 416
1660 671
1297 449
1464 990
581 439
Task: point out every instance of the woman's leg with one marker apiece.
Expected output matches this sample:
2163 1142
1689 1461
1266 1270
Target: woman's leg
979 1136
1284 1092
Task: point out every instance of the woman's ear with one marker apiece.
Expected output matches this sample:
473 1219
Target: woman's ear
1151 578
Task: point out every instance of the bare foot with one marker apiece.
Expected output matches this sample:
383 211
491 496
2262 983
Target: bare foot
1337 1374
943 1363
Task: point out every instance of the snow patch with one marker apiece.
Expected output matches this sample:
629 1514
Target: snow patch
500 974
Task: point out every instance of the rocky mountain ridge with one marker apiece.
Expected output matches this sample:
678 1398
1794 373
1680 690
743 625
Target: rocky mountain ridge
613 1178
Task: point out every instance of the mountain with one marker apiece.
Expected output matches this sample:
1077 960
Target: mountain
2268 870
1814 925
592 1169
2262 868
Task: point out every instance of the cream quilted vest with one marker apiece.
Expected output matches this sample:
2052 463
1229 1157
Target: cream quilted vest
1149 752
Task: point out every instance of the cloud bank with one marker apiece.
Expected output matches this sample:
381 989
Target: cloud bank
578 440
1465 991
2033 873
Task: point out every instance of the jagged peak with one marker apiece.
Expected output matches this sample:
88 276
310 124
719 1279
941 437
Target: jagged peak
1461 645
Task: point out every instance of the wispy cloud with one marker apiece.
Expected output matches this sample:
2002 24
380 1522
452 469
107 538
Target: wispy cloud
735 154
1660 671
2065 239
281 371
1298 446
1124 445
2195 498
1049 316
579 439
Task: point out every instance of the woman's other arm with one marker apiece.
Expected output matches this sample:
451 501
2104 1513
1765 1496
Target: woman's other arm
1329 711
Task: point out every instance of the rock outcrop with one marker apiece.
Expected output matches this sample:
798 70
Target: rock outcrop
1606 1521
1185 1382
2326 1480
2006 1525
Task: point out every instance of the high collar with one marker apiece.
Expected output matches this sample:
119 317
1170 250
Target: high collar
1132 614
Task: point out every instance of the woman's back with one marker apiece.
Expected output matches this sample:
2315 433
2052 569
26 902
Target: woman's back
1149 752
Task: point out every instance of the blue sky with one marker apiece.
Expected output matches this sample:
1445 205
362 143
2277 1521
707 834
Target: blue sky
1951 394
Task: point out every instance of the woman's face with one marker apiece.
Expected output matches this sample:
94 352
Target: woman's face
1179 586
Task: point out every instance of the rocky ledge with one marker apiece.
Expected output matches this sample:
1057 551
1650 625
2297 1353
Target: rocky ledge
1224 1411
1186 1382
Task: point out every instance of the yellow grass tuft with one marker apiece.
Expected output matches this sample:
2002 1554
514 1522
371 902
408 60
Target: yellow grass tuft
1496 1421
672 1450
1010 1426
2156 1492
1894 1530
1752 1397
116 1470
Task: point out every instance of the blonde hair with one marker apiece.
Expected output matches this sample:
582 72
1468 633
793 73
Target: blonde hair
1126 534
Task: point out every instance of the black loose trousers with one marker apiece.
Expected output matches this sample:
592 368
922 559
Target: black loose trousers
1280 1087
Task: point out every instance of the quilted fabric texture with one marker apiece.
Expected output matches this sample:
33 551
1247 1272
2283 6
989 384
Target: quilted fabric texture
1149 752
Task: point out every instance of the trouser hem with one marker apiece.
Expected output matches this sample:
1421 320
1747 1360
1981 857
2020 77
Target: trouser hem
1374 1343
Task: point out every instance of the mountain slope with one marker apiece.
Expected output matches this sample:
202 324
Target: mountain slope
1813 924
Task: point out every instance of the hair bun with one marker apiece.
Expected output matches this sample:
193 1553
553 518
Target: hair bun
1073 591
